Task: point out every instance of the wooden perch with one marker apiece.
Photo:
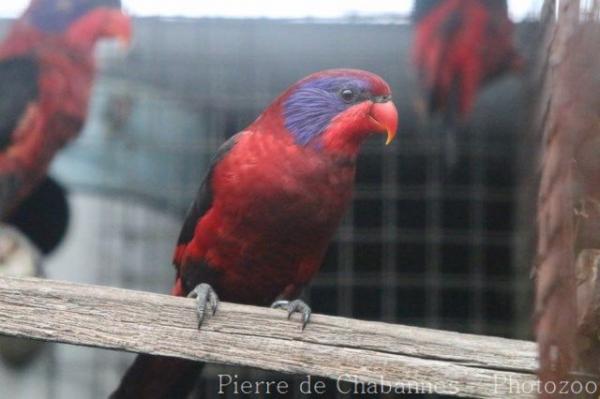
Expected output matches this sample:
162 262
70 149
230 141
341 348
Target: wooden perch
338 348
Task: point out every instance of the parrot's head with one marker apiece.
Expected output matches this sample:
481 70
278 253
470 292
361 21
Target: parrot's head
82 21
335 110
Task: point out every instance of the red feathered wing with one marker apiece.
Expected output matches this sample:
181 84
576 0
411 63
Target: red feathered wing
197 210
458 46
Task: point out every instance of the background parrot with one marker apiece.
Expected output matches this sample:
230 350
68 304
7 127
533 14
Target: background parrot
458 46
269 206
46 74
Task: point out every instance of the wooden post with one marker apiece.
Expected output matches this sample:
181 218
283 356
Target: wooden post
567 327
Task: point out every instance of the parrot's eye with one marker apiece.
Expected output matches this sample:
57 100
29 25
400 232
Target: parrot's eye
348 95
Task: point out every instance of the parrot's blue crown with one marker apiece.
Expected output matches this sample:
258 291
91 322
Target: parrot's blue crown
311 106
55 16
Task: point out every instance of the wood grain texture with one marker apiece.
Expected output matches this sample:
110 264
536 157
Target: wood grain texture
338 348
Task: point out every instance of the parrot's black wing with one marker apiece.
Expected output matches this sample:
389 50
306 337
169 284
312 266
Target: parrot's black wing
18 87
204 198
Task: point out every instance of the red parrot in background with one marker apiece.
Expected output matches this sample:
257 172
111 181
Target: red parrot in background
458 46
268 208
46 74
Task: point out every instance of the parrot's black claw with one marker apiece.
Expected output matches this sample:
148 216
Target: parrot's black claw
295 306
205 296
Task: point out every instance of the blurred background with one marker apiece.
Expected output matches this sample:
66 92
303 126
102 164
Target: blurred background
427 242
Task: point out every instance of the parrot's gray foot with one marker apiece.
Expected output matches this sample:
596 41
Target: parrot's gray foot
295 306
205 296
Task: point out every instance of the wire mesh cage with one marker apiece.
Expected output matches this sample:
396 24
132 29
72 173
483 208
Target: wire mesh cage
427 242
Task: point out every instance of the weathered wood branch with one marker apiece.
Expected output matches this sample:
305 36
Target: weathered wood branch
567 286
334 347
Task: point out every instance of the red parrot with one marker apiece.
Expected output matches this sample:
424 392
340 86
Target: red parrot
458 46
268 208
46 74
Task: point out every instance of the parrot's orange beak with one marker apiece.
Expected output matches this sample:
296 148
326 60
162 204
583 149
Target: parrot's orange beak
101 23
117 25
384 118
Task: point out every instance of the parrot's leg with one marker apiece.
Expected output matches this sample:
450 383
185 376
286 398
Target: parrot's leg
205 296
295 306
